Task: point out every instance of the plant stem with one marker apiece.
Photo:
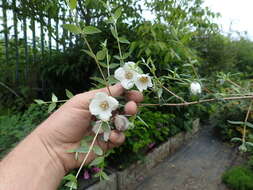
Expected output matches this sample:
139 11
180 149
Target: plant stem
178 97
200 101
8 88
60 101
235 84
86 156
120 53
246 119
94 57
97 62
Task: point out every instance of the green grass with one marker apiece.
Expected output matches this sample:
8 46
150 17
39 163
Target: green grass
239 178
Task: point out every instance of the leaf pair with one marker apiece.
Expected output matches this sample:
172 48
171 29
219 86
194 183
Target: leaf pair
87 30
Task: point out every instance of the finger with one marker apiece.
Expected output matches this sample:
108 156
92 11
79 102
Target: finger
131 108
117 138
115 90
83 100
134 95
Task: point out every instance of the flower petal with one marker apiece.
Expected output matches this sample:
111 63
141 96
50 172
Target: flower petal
107 135
113 103
150 84
100 96
127 84
129 66
105 115
119 74
94 107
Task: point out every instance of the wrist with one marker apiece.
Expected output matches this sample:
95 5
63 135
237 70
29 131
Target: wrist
34 163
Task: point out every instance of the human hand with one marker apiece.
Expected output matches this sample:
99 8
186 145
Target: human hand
66 127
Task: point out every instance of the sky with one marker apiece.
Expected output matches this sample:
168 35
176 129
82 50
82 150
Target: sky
235 14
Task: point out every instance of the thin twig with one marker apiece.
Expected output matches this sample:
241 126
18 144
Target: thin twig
235 84
86 156
174 94
8 88
118 42
98 65
246 119
200 101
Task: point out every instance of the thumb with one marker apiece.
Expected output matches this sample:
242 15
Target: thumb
115 90
83 99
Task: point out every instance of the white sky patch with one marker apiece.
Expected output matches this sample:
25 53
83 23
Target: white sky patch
236 15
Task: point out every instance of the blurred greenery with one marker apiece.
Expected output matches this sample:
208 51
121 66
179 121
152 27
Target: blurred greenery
239 177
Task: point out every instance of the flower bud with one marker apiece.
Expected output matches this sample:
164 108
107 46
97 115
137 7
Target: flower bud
121 122
195 88
243 148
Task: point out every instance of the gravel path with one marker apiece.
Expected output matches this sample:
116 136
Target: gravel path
196 166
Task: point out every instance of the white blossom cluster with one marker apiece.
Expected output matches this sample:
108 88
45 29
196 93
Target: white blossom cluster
102 105
130 75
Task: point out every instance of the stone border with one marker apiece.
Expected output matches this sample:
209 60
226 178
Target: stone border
129 178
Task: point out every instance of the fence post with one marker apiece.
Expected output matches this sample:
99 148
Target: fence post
16 40
26 47
6 31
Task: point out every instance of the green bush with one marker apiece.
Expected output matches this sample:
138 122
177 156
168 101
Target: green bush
14 127
239 178
153 127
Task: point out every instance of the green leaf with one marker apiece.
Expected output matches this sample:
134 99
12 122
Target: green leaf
236 139
99 80
90 54
83 149
249 144
88 138
116 57
51 107
101 55
113 65
117 13
71 184
40 102
72 4
114 33
126 55
69 94
123 40
103 64
112 80
97 150
91 30
72 28
248 124
70 177
97 161
104 176
236 122
54 98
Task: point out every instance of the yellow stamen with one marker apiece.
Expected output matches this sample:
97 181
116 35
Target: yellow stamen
143 79
129 75
104 105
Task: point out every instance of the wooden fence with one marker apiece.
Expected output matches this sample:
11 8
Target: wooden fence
36 37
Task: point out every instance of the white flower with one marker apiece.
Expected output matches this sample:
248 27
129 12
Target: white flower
126 75
121 123
143 81
103 129
102 106
195 88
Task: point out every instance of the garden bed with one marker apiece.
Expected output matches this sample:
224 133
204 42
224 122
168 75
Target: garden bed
133 175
